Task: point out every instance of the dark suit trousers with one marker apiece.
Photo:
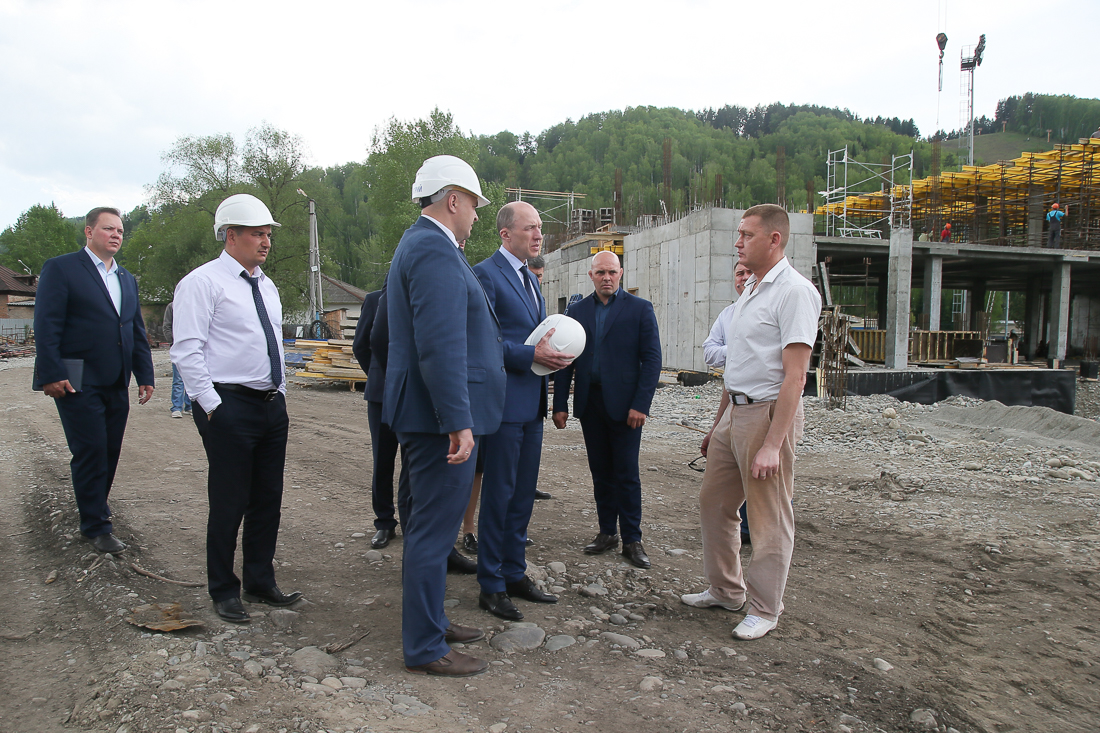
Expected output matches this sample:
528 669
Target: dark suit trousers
438 494
245 445
384 447
507 496
612 448
94 420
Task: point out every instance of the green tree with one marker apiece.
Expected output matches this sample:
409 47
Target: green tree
396 153
41 232
176 234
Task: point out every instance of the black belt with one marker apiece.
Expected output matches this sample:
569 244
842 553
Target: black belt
741 399
264 394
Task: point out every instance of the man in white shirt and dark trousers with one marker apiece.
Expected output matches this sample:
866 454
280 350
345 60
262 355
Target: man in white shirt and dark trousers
228 348
750 458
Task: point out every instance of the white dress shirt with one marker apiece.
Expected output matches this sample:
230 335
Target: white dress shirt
217 334
714 348
771 314
110 278
448 232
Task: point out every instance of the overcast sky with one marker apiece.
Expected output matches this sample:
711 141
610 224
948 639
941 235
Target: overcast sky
94 92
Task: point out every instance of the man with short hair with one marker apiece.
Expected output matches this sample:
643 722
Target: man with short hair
714 353
88 329
512 453
228 347
751 454
445 385
613 379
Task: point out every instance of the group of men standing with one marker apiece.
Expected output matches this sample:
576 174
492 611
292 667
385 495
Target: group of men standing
449 374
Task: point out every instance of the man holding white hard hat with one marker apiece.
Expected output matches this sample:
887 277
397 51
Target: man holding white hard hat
513 452
444 388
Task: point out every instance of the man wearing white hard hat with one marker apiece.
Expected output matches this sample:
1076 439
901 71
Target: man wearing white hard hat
513 452
613 385
228 348
445 385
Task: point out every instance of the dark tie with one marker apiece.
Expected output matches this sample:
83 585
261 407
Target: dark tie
272 344
528 283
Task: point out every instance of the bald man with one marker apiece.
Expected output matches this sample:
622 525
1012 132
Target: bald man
613 380
512 453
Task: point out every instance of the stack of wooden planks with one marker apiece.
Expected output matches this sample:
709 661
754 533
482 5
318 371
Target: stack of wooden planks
331 359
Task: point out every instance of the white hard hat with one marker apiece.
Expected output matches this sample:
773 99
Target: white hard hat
446 171
568 338
241 210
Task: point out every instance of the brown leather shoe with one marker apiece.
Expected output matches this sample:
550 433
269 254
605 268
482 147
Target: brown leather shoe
453 664
462 634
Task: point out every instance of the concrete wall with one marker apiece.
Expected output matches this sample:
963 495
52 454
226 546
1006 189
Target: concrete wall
684 268
1084 325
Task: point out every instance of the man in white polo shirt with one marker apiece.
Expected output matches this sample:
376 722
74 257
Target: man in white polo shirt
750 459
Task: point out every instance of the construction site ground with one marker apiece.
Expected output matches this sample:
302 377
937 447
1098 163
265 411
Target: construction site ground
944 577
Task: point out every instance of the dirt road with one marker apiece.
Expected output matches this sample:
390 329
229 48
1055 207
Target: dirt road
945 576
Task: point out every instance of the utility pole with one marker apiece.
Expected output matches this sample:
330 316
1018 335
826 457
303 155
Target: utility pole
316 291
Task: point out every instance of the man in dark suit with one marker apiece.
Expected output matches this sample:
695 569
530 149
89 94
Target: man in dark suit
445 386
371 345
87 310
383 441
512 453
614 381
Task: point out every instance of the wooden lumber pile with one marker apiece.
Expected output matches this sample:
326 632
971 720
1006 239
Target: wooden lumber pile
332 359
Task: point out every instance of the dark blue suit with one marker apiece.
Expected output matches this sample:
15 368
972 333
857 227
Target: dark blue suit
512 453
444 373
629 368
370 345
74 318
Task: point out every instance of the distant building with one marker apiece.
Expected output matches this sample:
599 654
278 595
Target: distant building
17 294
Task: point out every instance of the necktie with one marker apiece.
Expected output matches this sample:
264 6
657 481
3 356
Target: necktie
272 344
530 286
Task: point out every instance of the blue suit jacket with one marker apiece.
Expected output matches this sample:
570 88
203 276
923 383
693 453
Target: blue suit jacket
525 399
74 318
630 358
445 367
361 347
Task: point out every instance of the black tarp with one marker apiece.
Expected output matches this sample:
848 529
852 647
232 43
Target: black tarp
1053 388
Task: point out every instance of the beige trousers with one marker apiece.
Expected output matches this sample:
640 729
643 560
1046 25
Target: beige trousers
727 484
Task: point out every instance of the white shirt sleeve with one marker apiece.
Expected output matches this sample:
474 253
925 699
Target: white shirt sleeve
714 348
798 316
195 301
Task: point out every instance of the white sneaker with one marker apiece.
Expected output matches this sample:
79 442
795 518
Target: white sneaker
753 627
177 413
706 600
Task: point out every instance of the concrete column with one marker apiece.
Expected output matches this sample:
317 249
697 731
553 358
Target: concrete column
978 295
1033 317
899 287
1059 310
1035 218
933 290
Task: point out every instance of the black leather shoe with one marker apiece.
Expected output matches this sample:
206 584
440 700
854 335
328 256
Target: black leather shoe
459 563
527 590
500 605
602 543
106 543
382 538
272 596
745 539
231 610
469 542
528 542
543 495
635 554
462 634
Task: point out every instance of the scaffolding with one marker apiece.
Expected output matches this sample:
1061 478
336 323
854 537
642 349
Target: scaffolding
1001 204
888 185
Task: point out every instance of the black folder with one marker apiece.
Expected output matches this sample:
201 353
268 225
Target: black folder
75 369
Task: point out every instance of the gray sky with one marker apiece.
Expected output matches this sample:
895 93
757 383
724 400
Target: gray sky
95 91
